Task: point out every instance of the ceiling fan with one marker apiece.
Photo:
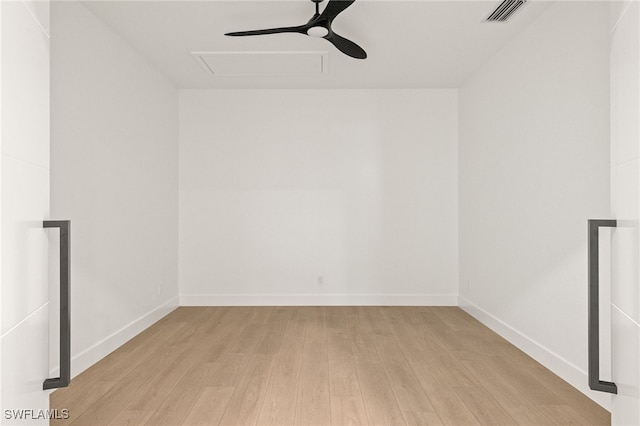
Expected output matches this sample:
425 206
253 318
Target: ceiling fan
318 26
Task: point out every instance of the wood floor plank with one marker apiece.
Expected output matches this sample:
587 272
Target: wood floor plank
293 337
279 406
179 400
379 400
131 417
524 382
483 406
226 316
261 314
530 415
313 406
281 396
446 402
269 343
102 411
232 367
563 415
455 318
450 407
221 342
363 347
126 359
339 343
321 365
452 371
406 339
343 378
565 393
247 399
150 395
287 364
418 418
348 411
209 407
193 318
248 339
407 389
387 349
78 401
339 317
511 400
136 390
281 316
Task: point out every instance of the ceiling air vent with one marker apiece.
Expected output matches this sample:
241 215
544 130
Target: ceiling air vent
505 10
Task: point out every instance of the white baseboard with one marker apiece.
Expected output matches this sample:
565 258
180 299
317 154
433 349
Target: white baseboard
569 372
318 300
95 353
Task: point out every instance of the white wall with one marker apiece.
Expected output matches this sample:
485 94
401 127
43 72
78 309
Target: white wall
114 175
279 188
625 203
24 140
534 166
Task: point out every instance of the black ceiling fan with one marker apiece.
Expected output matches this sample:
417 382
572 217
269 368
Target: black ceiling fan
318 26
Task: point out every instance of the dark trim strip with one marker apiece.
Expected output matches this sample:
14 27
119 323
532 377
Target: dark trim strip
594 310
65 314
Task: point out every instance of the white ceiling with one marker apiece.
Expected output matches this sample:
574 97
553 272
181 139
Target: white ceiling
410 44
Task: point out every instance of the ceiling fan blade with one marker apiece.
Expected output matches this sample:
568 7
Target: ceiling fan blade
346 46
334 8
298 29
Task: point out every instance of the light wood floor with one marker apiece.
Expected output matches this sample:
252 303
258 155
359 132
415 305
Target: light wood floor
321 365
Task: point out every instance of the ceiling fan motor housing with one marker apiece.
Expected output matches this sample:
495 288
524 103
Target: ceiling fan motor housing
318 31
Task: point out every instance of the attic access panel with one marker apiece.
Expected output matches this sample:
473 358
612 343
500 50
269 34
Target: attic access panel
262 63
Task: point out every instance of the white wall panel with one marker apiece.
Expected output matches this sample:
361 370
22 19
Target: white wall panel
25 52
24 192
24 368
625 170
625 351
616 10
625 253
282 189
1 204
625 86
25 196
41 12
25 162
625 203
